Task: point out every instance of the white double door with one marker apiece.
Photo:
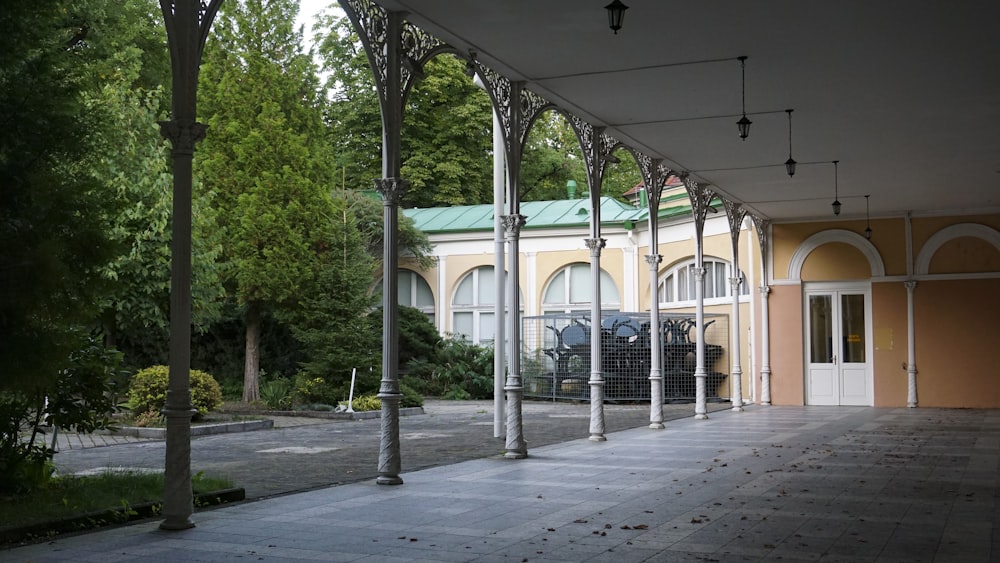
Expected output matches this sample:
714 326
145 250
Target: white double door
838 344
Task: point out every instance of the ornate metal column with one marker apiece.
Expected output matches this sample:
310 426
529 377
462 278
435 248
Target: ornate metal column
654 177
596 148
911 349
516 447
516 108
187 23
761 226
389 457
595 243
389 40
735 213
701 198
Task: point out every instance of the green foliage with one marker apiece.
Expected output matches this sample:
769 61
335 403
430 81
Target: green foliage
277 393
460 370
51 211
332 323
447 128
411 398
267 164
82 398
148 390
367 403
310 390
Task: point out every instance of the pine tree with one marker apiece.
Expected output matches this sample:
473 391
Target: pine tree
265 161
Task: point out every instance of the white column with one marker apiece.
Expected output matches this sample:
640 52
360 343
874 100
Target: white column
597 422
736 376
700 409
442 304
911 350
499 309
765 348
516 447
655 344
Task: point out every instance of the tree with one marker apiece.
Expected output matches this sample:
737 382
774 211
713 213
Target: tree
51 216
54 212
334 324
447 125
265 161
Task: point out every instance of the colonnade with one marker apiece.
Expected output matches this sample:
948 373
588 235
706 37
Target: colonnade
396 50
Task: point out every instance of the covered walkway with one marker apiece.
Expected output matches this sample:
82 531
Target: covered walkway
771 483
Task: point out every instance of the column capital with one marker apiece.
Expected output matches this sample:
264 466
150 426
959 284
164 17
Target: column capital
183 134
910 284
595 245
654 259
764 290
392 190
512 223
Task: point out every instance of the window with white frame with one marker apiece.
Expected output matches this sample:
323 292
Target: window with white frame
677 286
571 289
473 306
412 291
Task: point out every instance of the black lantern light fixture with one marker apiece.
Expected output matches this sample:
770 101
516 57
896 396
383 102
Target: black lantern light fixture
790 163
836 187
868 219
744 122
616 13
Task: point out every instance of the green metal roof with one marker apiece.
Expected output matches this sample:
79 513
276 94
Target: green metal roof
540 214
543 214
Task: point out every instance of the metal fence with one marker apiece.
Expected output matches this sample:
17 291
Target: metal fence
556 355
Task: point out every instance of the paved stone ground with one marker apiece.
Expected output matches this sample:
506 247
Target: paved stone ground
788 484
302 453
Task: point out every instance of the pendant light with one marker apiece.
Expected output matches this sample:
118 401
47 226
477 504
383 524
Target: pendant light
836 201
790 163
744 123
616 14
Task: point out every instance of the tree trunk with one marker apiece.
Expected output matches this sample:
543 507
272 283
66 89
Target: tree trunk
251 369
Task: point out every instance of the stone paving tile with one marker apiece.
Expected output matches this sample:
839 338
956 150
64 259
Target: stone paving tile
695 492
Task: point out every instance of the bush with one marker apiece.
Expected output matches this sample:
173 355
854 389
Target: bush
367 403
148 391
411 398
277 394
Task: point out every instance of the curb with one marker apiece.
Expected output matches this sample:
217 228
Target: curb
199 430
101 518
330 415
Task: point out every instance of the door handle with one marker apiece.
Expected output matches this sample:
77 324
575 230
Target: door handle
835 360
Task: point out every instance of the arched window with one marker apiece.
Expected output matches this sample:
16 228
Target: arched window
412 291
472 307
571 290
677 287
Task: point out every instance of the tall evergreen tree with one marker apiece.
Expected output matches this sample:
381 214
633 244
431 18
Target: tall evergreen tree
265 161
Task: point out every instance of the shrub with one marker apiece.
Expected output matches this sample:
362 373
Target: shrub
148 390
367 403
316 390
411 398
277 393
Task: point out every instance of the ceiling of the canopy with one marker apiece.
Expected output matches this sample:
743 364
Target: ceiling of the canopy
905 94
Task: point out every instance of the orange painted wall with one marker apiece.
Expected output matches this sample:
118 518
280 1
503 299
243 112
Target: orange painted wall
836 261
786 345
965 255
889 331
956 338
925 227
889 238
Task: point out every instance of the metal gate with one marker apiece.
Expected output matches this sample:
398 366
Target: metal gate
556 355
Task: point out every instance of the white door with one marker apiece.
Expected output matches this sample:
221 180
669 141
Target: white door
837 331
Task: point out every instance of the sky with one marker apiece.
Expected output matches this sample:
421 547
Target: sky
308 10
